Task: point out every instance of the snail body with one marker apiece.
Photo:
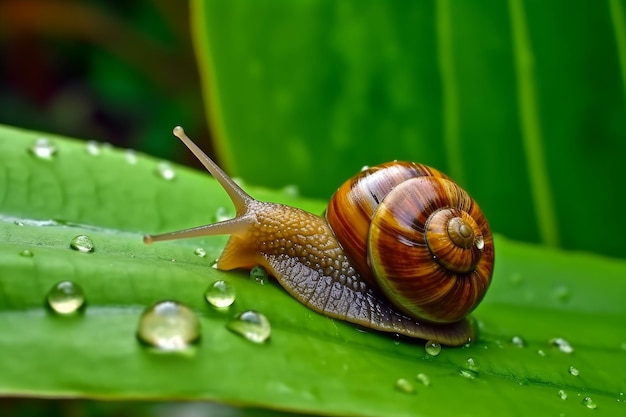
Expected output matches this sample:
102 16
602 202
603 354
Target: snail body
401 249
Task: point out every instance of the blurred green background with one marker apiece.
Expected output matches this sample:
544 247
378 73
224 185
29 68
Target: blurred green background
112 71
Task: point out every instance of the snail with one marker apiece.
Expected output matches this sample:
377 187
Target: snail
401 249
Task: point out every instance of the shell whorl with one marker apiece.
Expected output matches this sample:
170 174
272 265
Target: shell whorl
417 237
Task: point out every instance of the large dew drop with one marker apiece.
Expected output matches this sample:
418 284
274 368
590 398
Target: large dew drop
258 275
432 348
66 297
252 325
82 243
220 294
168 326
43 149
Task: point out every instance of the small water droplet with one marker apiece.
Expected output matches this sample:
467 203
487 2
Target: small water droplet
365 168
574 371
404 385
589 403
479 242
540 352
518 341
27 253
131 156
562 344
468 373
222 214
43 149
252 325
168 326
258 275
562 394
166 171
66 297
199 252
423 378
220 294
82 243
471 365
93 148
432 348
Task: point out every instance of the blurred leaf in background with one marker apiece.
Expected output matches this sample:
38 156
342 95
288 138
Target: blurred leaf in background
523 103
114 71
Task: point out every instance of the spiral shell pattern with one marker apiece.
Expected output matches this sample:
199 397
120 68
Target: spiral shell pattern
417 237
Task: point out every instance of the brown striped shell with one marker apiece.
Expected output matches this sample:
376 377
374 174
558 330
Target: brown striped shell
416 237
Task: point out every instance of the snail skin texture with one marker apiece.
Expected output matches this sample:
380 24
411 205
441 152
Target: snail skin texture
401 249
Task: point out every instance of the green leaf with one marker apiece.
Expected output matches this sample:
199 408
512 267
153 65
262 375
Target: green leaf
522 104
311 363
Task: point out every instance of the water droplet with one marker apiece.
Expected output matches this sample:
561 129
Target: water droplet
432 348
93 148
574 371
562 394
131 156
541 352
66 297
199 252
169 326
43 149
562 344
166 171
365 168
468 373
589 403
222 214
518 341
423 378
479 242
82 243
220 294
27 253
258 275
404 385
471 365
252 325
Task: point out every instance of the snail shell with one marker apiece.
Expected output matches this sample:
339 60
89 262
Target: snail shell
401 249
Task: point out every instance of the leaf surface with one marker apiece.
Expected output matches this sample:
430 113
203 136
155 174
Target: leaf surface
311 363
